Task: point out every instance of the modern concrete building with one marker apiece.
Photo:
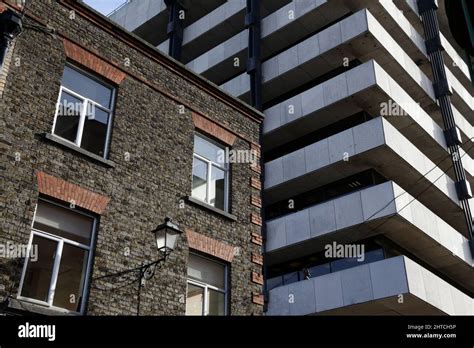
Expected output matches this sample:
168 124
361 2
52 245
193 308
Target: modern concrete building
367 143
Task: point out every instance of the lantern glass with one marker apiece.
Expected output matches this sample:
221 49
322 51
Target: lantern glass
171 239
166 239
160 236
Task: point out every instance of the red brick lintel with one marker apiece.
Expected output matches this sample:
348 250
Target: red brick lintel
67 192
213 129
101 67
209 246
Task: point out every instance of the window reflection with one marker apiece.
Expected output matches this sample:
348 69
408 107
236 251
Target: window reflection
84 112
310 270
87 87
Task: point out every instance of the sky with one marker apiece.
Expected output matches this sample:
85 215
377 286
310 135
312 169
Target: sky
104 6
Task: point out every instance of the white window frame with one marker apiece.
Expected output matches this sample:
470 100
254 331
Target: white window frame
57 261
225 167
85 105
207 287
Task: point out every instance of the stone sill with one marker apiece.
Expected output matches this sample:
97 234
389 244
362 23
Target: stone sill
37 309
211 208
57 140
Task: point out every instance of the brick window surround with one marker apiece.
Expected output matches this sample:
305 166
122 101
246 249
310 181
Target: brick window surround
209 246
57 188
85 58
203 124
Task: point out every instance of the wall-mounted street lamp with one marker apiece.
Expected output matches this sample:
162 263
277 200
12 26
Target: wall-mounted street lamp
166 238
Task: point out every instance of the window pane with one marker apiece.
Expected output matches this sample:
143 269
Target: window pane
87 87
194 300
373 256
67 120
341 264
38 272
63 222
217 188
319 270
95 131
71 275
216 303
199 179
206 271
274 282
207 149
290 278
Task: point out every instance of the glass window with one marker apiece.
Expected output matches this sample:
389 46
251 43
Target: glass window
369 256
95 131
207 288
62 238
195 300
210 173
310 267
217 189
87 87
208 150
342 264
374 255
274 282
199 179
63 222
290 278
67 119
84 111
70 282
216 302
39 272
319 270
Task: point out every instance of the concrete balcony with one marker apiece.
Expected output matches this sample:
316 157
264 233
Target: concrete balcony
365 87
214 27
358 36
214 64
461 97
385 209
408 36
413 43
149 18
278 29
466 128
136 13
372 289
455 63
217 26
373 144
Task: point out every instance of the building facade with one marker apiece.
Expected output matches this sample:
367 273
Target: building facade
367 143
102 138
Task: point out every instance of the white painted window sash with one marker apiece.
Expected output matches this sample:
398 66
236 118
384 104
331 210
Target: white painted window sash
85 104
207 287
57 262
225 168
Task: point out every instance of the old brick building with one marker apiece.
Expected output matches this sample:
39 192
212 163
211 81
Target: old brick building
102 138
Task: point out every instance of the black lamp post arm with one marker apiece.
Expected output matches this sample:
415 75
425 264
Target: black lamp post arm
147 271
